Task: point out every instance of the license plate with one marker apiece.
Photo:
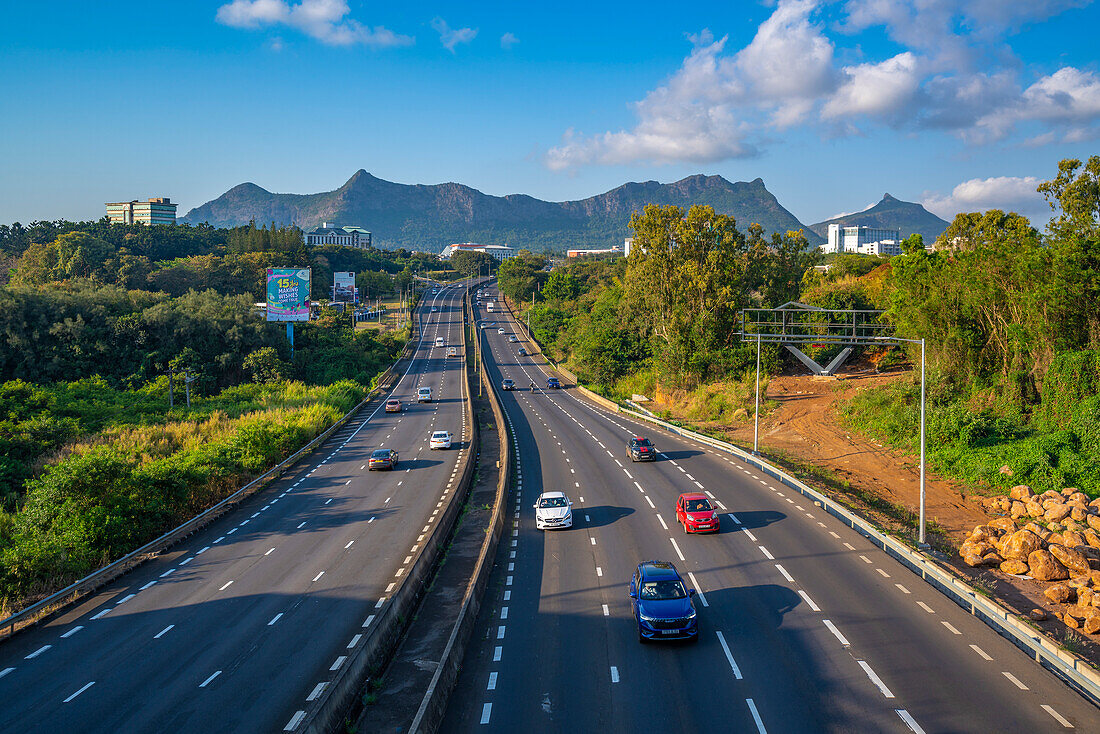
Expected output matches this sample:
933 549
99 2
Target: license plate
670 632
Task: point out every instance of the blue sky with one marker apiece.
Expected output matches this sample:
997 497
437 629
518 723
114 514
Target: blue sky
960 104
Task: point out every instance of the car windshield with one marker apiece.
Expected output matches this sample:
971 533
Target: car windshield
661 590
642 442
439 434
697 505
552 502
380 454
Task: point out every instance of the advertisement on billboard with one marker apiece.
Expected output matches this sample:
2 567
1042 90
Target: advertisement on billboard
343 288
288 294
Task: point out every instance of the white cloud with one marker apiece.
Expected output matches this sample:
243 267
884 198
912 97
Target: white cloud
1007 193
323 20
451 37
1068 100
885 89
508 40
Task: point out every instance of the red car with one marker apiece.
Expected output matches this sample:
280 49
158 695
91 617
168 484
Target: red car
694 512
393 406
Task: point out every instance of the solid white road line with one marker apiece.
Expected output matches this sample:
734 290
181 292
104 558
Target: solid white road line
729 655
756 716
836 633
1058 717
908 719
85 687
875 679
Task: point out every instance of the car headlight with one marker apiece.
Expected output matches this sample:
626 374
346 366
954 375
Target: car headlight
645 618
692 615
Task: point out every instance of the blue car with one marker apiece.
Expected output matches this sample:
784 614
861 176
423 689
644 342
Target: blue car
553 383
662 603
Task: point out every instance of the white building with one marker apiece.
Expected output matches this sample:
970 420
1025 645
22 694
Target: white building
327 234
500 252
863 240
616 250
627 244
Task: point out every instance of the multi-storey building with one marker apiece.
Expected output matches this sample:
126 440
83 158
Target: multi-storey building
500 252
350 236
863 240
159 210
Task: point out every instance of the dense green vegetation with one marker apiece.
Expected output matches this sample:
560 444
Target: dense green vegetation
92 461
1012 319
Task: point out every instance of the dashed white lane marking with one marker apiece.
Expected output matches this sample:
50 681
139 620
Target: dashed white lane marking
875 679
316 691
1014 680
925 607
5 671
318 576
729 655
836 633
294 721
606 611
849 546
953 630
883 573
903 589
151 583
750 535
756 716
1058 717
100 614
73 631
614 674
500 631
763 550
225 586
497 652
368 620
663 525
492 686
206 682
785 574
275 619
678 553
163 632
38 652
810 602
647 499
834 534
486 712
733 517
905 716
83 688
865 559
981 652
698 589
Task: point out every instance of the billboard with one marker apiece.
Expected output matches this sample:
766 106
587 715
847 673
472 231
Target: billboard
343 287
288 294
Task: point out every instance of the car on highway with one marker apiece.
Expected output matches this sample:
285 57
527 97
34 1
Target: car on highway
662 603
695 513
512 339
439 341
552 383
522 352
382 459
500 330
439 440
487 323
641 448
508 384
424 395
393 405
452 351
553 511
434 309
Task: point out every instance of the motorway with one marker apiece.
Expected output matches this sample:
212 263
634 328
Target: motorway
804 625
237 627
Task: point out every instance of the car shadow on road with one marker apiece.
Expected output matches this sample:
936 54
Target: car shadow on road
417 463
679 454
753 519
601 515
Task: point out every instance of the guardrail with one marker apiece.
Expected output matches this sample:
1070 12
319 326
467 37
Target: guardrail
1071 668
434 704
327 713
97 579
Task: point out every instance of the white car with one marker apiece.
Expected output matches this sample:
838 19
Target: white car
553 510
500 331
424 395
440 440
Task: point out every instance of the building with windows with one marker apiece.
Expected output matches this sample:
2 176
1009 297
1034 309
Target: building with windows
159 210
327 234
863 240
616 250
500 252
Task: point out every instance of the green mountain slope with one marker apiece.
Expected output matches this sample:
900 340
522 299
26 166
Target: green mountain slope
892 213
431 217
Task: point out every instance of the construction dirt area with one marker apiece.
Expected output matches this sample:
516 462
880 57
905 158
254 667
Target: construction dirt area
804 434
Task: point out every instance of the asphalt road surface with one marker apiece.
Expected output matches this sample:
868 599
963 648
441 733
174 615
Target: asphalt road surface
238 627
804 626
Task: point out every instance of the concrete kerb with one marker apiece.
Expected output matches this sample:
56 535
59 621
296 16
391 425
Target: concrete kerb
1071 668
328 712
103 576
433 707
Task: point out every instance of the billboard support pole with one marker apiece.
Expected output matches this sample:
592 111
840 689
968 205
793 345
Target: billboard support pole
290 337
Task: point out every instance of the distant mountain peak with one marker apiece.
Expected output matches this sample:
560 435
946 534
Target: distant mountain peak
887 197
890 213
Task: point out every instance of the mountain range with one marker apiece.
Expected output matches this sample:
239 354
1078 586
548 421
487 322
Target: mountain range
429 217
892 213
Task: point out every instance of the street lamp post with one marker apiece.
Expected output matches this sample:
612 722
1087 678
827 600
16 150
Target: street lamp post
756 417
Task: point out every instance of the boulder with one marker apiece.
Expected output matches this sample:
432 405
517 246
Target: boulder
1085 597
1052 494
1037 615
1055 538
1092 537
1034 509
1078 513
1019 545
1017 510
1091 625
1078 498
1067 491
1072 539
1043 566
1094 576
992 558
1003 524
1056 512
1069 524
1014 567
1093 522
1055 527
973 560
1060 593
1070 621
1073 560
976 548
1021 492
1037 529
1095 503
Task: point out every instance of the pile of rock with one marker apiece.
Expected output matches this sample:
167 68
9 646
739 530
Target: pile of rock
1053 536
